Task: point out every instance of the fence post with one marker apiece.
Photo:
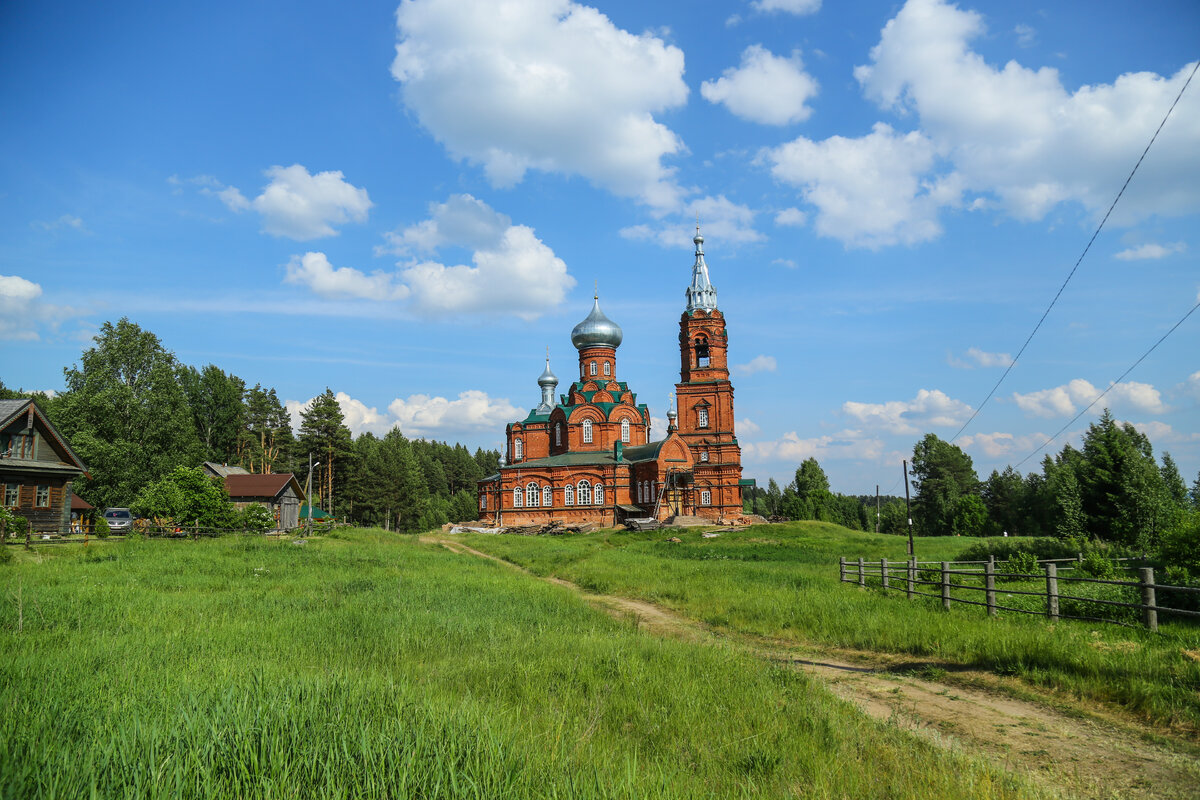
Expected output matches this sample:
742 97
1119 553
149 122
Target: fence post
989 584
1149 606
842 568
1051 591
946 585
862 572
883 572
912 575
29 538
196 532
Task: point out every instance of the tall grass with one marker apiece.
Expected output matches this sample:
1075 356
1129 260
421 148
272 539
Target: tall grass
372 666
782 581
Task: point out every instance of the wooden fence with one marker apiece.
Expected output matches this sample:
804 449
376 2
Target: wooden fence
194 532
906 576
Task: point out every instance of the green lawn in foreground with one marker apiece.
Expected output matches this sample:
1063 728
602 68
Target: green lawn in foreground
782 581
370 665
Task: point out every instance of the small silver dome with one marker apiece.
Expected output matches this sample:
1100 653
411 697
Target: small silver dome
547 378
596 330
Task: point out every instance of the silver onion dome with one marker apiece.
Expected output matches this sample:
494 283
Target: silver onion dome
547 378
596 330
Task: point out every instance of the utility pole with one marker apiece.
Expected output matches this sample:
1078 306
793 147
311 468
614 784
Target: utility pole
877 508
308 494
908 512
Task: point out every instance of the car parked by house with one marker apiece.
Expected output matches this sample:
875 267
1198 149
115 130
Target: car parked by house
119 520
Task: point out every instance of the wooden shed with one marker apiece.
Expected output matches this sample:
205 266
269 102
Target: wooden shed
279 492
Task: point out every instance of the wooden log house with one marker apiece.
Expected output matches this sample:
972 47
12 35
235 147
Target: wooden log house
37 466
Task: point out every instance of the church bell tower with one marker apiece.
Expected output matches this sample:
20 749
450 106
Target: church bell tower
705 398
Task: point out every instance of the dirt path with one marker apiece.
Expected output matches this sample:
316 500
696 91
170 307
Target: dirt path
1080 751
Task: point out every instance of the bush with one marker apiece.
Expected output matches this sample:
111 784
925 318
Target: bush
1004 548
1021 562
100 528
14 524
257 518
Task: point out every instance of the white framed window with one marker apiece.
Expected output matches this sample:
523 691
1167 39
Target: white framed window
518 450
598 496
706 498
547 496
558 434
625 430
585 493
641 491
517 497
11 495
593 368
704 455
532 494
702 417
587 431
568 495
483 502
607 368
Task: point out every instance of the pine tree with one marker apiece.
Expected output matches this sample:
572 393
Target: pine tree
323 434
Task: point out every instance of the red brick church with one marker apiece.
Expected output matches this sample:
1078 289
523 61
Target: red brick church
589 458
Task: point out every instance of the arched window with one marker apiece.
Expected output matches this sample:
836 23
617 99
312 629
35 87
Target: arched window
607 368
483 502
518 450
625 430
704 455
568 495
587 430
558 434
702 417
517 497
651 498
641 491
702 352
532 493
547 496
599 495
585 493
593 368
706 498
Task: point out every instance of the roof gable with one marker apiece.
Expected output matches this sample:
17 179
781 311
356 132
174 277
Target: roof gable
20 411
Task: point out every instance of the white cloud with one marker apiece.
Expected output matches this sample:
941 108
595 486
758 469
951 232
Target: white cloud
1160 433
1191 386
1002 445
549 85
419 414
928 409
791 218
1018 134
1026 35
294 204
756 364
65 221
1151 251
514 271
848 444
980 358
23 312
746 427
799 7
722 221
1067 399
314 271
870 191
765 88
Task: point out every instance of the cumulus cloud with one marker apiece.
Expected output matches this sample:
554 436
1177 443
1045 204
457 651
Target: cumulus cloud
765 88
980 358
1012 140
1002 445
1018 134
294 204
23 313
791 218
870 191
419 414
1067 399
513 271
1151 251
930 408
1191 386
723 221
551 85
848 444
747 427
798 7
65 221
314 271
1160 433
756 364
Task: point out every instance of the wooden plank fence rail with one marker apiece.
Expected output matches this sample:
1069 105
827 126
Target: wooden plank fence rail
193 532
882 574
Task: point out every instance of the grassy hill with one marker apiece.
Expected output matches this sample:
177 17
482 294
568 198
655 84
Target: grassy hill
372 665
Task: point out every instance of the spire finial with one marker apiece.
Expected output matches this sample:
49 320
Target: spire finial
596 293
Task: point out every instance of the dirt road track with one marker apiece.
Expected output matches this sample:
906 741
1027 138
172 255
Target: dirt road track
1078 751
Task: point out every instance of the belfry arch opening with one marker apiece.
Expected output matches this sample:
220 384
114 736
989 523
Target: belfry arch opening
701 348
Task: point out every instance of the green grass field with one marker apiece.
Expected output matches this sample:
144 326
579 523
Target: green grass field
367 664
782 581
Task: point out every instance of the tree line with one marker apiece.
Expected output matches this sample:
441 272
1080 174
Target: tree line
134 413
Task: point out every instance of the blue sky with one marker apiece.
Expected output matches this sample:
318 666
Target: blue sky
409 204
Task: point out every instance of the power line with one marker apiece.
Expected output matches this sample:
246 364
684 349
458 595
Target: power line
1071 274
1110 388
